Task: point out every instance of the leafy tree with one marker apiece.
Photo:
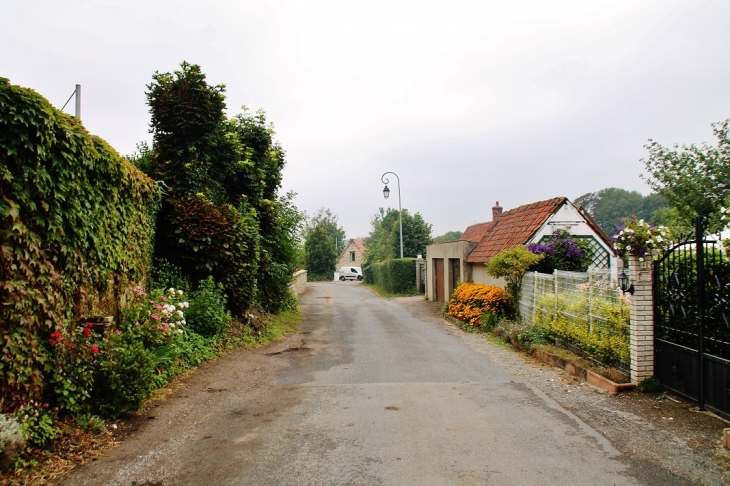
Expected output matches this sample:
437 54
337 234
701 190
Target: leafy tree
511 264
143 157
329 221
222 215
384 239
693 179
609 206
448 236
189 133
281 245
320 254
254 183
256 175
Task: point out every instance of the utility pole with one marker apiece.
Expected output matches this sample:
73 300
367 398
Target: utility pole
77 94
78 101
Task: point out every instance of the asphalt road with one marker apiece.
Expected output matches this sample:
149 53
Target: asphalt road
364 393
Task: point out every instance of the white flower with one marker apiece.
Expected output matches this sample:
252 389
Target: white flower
180 313
171 290
179 292
183 322
179 331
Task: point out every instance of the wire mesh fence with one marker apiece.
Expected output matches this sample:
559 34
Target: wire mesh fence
584 312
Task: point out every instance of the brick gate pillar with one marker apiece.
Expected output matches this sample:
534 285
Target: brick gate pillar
642 319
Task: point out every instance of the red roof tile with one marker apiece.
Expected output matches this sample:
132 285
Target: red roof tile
476 232
514 227
359 243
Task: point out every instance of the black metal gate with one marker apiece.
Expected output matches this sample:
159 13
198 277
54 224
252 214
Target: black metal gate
692 321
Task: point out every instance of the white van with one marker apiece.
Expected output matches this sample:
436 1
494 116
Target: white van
350 273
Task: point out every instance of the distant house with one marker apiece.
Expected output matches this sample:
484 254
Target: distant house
353 254
464 260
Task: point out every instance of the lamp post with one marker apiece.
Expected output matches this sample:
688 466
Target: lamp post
386 193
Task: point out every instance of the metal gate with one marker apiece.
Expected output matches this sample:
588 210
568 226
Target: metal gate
692 320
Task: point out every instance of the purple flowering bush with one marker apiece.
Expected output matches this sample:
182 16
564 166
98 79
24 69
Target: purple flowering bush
561 252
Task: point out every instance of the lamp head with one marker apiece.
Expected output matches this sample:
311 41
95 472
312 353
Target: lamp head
623 281
386 192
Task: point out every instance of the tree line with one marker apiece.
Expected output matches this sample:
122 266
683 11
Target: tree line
324 239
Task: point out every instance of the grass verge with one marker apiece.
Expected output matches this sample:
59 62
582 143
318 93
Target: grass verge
388 295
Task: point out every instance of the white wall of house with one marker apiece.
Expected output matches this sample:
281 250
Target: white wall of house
568 218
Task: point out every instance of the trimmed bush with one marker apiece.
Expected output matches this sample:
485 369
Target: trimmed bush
470 301
396 276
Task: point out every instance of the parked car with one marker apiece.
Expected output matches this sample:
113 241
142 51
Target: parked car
350 273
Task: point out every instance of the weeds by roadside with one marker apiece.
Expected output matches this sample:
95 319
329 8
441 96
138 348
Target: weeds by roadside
521 336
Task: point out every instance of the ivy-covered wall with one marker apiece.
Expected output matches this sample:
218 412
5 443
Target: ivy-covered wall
76 223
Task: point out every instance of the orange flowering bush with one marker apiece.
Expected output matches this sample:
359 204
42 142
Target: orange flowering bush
470 301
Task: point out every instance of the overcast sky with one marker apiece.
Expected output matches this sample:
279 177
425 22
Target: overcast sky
469 102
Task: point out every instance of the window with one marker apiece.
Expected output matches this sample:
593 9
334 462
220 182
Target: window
352 256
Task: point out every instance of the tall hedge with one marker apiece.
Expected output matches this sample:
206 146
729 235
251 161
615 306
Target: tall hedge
222 215
396 276
74 216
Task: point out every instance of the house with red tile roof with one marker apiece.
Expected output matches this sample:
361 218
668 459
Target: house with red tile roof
353 254
465 260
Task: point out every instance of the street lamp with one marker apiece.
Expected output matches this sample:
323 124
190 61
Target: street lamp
386 193
625 284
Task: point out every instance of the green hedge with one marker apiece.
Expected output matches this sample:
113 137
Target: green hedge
397 276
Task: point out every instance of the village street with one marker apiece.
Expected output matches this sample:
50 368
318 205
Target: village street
376 391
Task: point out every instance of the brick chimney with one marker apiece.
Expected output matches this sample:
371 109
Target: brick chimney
496 211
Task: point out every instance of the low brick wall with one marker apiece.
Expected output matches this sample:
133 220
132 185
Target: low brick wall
299 283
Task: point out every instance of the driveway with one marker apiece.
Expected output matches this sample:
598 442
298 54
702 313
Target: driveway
373 391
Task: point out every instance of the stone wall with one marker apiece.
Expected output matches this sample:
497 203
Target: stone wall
299 283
